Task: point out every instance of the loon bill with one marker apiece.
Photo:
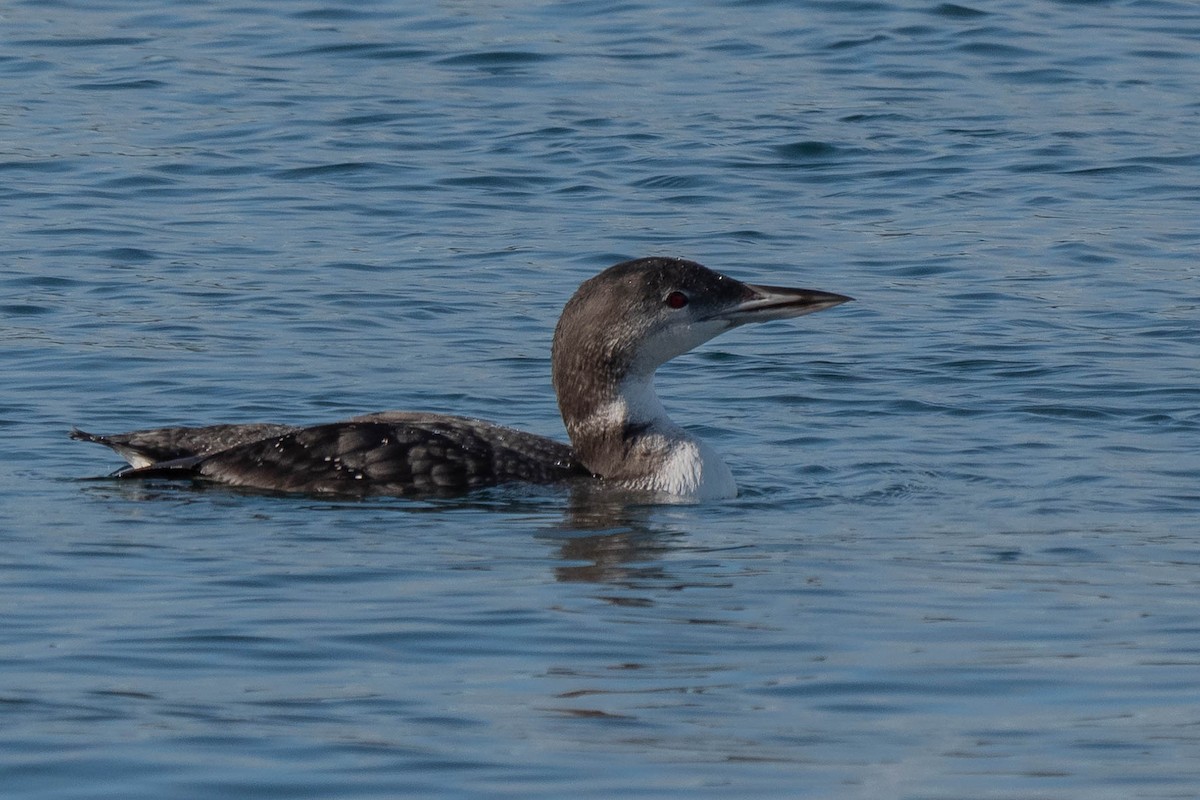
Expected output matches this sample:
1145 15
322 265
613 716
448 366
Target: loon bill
617 329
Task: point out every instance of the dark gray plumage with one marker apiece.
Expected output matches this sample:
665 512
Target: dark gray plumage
397 453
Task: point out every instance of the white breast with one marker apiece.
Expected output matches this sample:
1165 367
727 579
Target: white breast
694 471
684 469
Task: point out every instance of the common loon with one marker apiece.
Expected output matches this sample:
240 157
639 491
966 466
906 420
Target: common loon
616 330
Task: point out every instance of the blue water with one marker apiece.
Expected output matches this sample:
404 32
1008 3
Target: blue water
965 561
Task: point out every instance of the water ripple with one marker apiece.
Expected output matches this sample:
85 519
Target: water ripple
963 535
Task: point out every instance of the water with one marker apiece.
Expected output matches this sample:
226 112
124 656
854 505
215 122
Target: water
964 562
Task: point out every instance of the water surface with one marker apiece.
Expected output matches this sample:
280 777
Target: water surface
964 561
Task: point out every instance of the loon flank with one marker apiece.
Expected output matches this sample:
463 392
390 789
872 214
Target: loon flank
617 329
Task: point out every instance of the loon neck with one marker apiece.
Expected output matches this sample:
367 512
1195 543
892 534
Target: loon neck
621 432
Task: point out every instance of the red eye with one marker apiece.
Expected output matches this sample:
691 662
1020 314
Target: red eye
677 300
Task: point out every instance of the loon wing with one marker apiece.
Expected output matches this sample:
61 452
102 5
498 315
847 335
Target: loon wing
144 448
398 453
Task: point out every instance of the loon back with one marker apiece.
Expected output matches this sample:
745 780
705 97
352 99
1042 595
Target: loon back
392 452
617 329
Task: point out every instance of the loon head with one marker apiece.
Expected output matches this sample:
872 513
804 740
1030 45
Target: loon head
623 324
640 314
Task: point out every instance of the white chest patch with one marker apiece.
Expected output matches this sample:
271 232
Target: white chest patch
694 471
